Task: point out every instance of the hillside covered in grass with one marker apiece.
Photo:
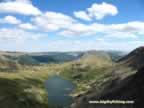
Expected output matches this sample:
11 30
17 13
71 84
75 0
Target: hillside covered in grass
25 88
22 76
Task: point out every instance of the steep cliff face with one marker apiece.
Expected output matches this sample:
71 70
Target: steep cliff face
134 59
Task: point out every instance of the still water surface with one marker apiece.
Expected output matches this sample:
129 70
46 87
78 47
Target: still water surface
58 90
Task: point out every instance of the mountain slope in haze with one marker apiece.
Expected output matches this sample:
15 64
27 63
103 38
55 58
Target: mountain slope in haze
60 57
21 58
56 57
99 58
7 64
24 58
134 59
117 55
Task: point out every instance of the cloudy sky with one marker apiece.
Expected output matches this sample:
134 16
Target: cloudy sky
71 25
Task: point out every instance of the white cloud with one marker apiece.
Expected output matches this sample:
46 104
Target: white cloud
24 7
97 11
135 27
125 30
67 26
82 30
27 26
10 20
82 15
52 21
18 34
24 1
121 35
82 45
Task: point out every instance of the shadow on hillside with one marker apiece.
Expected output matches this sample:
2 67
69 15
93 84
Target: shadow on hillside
12 94
131 88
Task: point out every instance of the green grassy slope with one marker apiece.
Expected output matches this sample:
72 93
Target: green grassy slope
25 88
92 66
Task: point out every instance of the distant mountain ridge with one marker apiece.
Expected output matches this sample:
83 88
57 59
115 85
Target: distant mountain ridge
53 57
